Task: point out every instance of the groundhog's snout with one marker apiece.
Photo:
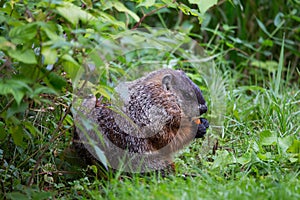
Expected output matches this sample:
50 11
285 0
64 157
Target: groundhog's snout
202 108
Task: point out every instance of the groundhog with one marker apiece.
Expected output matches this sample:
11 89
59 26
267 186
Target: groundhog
146 122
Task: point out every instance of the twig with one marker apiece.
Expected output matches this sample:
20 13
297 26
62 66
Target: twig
7 105
58 172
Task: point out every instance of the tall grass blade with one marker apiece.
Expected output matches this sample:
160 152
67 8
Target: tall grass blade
280 66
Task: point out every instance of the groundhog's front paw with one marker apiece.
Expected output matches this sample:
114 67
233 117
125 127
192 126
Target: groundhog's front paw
201 131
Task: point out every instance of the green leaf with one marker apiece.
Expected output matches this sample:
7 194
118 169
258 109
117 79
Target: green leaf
32 129
57 81
223 158
267 137
203 5
27 56
295 147
146 3
101 156
267 43
15 108
36 94
17 88
170 3
74 71
3 134
246 158
285 142
271 66
4 44
185 9
265 156
262 26
23 33
69 58
51 33
278 19
50 55
106 18
18 134
102 90
17 196
94 55
121 8
94 169
230 45
74 13
88 3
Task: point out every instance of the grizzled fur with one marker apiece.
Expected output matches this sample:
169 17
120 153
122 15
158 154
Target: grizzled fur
150 119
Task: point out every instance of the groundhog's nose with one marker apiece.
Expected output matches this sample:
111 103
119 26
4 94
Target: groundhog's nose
202 108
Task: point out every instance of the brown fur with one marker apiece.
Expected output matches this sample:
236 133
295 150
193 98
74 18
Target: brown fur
150 119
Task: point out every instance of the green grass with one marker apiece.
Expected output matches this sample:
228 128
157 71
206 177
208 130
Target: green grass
204 186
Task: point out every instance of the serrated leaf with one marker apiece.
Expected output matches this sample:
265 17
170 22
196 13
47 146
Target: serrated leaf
27 56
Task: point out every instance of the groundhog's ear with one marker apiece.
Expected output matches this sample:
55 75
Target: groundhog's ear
166 81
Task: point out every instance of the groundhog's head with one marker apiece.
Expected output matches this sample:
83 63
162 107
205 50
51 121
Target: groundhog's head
189 97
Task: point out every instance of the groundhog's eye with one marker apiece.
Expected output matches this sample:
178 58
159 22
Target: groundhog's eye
187 95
